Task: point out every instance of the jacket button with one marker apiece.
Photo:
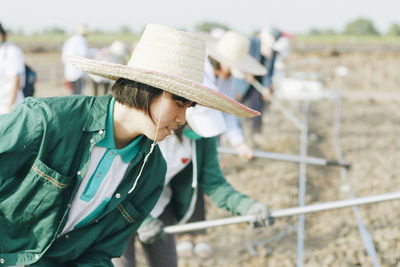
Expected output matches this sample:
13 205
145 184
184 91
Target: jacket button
2 260
101 132
37 256
66 236
79 172
91 140
117 195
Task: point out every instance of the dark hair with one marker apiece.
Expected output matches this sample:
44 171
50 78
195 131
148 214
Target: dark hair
2 30
215 63
139 95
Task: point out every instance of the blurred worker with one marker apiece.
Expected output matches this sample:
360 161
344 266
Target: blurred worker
76 45
261 48
116 53
230 58
12 73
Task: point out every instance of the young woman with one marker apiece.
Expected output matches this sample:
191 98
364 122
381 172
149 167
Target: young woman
80 174
230 58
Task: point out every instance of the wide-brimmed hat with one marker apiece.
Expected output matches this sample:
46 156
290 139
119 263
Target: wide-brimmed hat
82 29
171 60
232 49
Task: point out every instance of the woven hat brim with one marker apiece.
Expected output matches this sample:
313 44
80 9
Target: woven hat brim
247 64
177 85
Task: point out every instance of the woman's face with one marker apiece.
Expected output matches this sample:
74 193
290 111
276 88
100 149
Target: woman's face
224 71
168 113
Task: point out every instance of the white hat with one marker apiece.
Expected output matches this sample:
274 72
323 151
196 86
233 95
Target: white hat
118 49
171 60
233 50
206 122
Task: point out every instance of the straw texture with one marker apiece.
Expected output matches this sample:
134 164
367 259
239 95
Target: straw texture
171 60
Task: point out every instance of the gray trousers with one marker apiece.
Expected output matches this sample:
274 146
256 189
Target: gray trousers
78 85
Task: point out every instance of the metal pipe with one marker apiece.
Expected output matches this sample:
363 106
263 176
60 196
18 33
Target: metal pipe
266 92
175 229
365 236
302 185
286 157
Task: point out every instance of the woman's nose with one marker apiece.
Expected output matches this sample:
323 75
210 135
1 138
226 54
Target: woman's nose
181 117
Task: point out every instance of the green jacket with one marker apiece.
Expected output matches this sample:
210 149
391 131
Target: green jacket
45 147
211 180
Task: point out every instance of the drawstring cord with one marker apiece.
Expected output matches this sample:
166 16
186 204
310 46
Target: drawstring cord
151 148
194 164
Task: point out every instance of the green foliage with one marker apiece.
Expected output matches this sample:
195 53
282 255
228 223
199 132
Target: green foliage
125 30
361 26
53 30
394 30
347 39
315 31
208 26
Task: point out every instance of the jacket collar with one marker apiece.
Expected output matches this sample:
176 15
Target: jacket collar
98 114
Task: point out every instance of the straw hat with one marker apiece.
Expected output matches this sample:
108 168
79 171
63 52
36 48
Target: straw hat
233 50
82 29
171 60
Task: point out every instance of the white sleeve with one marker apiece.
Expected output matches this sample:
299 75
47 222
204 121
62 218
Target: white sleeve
234 131
15 61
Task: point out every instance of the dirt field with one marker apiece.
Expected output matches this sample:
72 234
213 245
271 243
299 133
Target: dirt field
370 142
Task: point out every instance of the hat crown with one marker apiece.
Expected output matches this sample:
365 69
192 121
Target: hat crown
171 51
233 46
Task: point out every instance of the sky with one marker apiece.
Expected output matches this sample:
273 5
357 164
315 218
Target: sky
246 16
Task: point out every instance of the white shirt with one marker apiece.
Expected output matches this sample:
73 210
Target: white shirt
12 63
233 132
76 45
85 203
177 155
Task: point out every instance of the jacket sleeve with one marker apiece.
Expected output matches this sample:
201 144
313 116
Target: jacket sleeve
21 132
214 184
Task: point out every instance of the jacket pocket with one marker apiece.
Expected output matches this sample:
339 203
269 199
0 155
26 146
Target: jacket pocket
35 194
129 213
31 208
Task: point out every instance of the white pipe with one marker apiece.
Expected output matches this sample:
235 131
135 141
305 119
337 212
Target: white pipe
175 229
285 157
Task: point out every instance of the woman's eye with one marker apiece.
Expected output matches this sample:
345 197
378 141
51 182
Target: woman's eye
180 104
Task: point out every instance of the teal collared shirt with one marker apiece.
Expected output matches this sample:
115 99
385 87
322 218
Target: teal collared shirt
44 153
103 168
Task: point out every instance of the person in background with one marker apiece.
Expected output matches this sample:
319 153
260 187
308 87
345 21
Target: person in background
12 73
229 57
116 53
261 48
76 45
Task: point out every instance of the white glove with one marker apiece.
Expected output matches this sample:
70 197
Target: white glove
263 215
152 231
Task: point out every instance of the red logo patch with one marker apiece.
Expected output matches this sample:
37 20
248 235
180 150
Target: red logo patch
184 160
